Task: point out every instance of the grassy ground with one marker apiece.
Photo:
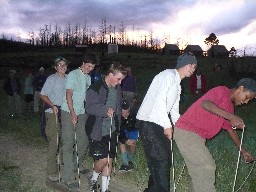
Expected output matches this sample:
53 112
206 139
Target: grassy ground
145 67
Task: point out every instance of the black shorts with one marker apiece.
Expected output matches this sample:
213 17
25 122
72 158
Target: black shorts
29 98
100 149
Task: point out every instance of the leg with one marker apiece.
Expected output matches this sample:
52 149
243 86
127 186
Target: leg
52 130
158 154
82 139
200 164
68 141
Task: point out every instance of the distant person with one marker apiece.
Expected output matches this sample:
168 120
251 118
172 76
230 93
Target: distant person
198 83
103 105
202 121
12 88
96 74
52 94
155 127
73 120
128 138
218 76
29 92
129 87
39 81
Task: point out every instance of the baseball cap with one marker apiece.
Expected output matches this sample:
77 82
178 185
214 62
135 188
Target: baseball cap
59 59
248 84
186 58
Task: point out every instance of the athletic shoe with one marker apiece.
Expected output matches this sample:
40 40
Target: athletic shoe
131 164
53 177
125 168
93 185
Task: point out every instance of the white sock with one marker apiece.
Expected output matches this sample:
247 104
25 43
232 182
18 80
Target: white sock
105 183
95 175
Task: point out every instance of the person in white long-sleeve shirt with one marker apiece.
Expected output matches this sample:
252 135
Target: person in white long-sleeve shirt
158 111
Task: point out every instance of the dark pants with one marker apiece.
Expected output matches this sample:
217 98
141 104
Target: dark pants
157 148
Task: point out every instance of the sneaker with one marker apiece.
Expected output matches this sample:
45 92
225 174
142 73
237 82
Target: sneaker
131 164
73 185
124 168
93 185
53 177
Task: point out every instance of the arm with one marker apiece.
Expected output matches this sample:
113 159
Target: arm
213 108
247 156
69 93
48 102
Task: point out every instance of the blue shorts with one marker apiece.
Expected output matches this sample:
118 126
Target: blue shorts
132 134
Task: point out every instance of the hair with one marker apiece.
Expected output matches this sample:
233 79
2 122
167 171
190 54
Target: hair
90 58
117 68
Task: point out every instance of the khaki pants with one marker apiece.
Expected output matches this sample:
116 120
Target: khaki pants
68 144
201 166
52 131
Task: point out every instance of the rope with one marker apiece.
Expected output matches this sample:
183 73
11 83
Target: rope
246 177
109 147
77 161
58 150
173 169
238 160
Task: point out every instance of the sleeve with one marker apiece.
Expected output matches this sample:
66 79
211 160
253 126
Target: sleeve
160 106
46 90
93 106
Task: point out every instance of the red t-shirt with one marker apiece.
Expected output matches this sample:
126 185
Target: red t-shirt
204 123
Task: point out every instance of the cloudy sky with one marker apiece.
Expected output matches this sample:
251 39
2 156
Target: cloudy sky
186 21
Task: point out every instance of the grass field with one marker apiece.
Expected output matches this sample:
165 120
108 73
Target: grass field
145 67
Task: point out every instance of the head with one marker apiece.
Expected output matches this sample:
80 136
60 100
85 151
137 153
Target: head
61 65
244 91
115 74
186 65
88 62
125 109
41 70
198 71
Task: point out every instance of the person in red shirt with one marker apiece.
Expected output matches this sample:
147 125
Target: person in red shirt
197 83
203 120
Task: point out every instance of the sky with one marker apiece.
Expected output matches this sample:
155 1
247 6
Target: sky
185 21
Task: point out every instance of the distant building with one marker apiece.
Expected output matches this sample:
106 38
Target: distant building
171 49
195 49
112 48
218 51
81 48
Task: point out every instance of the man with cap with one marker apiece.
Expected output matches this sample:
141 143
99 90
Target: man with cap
155 127
203 120
52 94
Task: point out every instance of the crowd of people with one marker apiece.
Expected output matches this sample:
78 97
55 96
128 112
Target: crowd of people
85 109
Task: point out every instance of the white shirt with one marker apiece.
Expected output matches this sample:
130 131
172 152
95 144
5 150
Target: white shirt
162 99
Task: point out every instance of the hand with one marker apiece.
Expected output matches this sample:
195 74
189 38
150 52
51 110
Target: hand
110 112
130 142
168 133
237 122
248 158
55 110
74 118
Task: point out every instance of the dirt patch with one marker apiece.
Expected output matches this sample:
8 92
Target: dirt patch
32 162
